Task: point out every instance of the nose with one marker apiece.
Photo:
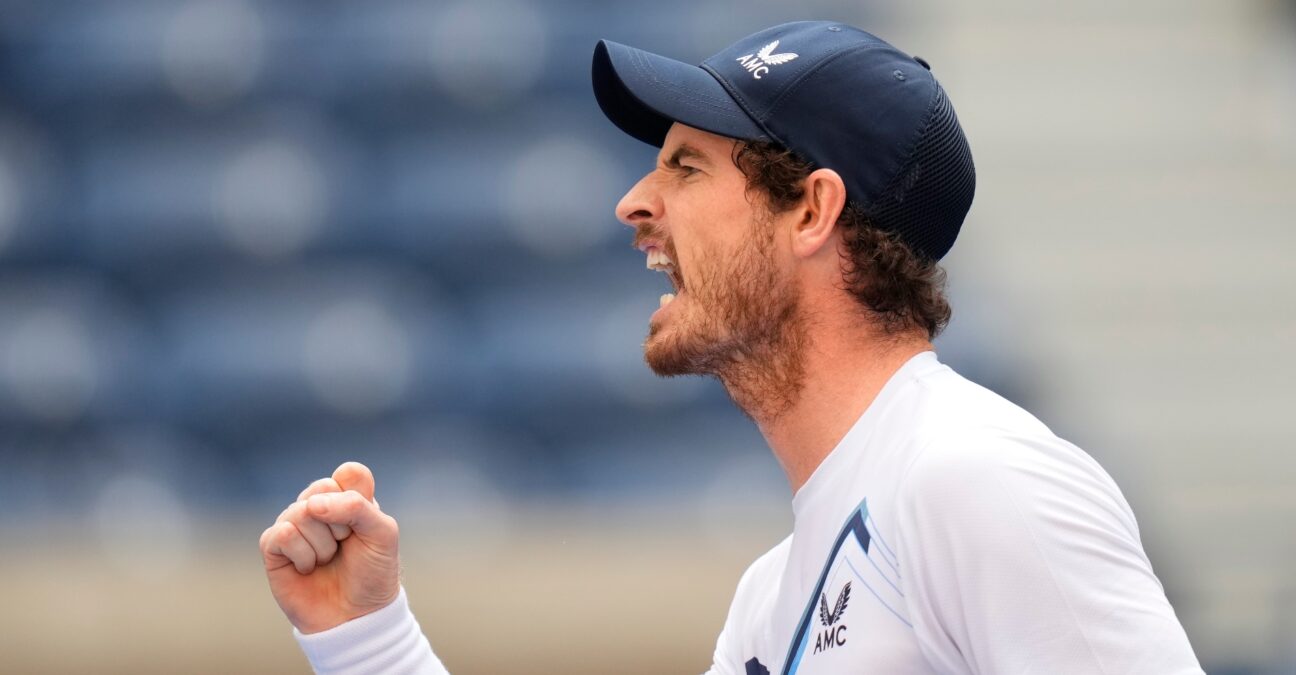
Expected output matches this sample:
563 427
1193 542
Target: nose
641 204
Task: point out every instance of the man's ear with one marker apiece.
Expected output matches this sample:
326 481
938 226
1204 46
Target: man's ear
825 197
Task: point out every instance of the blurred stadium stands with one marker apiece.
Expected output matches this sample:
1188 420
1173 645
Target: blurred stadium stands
243 241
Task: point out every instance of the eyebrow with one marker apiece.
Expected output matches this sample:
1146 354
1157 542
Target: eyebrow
685 151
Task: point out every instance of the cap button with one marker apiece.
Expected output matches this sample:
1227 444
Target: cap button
922 62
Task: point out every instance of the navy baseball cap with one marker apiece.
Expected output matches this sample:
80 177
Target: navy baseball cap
835 95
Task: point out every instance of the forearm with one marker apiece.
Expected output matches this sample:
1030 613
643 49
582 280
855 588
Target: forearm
386 641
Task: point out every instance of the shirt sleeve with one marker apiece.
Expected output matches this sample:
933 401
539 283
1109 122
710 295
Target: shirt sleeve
725 660
1020 555
386 641
728 658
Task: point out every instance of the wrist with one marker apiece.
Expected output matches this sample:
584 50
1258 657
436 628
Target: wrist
319 622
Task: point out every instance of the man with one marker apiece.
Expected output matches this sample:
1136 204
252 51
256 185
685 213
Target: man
810 177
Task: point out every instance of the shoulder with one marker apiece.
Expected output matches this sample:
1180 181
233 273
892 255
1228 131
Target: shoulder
931 406
760 578
958 426
945 404
768 566
979 453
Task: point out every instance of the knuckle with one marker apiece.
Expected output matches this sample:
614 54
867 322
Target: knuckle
339 532
353 500
293 512
311 488
285 533
287 512
264 541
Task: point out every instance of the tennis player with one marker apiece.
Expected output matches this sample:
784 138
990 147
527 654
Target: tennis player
810 177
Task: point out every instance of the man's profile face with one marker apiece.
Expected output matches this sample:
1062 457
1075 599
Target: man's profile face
733 295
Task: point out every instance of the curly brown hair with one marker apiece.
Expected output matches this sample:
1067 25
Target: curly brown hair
900 289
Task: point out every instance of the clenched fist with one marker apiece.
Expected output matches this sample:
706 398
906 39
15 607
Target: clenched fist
332 555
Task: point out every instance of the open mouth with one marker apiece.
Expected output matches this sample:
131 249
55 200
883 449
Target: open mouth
659 261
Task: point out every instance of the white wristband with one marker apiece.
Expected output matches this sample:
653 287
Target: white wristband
386 641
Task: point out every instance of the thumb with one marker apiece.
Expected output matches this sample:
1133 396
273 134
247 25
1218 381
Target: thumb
351 508
355 476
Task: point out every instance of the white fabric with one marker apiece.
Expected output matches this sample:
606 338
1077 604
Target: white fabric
973 540
385 641
991 546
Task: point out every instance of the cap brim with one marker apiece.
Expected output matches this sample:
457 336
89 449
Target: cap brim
643 94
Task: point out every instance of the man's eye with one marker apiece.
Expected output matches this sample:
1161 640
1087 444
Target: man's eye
688 170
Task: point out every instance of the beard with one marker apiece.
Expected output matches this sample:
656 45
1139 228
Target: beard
739 319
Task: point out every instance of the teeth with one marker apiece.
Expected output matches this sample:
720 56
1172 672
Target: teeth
666 298
658 260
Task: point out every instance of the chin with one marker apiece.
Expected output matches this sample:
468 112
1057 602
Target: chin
671 351
663 355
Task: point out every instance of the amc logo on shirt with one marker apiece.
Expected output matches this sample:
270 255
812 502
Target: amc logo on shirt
835 635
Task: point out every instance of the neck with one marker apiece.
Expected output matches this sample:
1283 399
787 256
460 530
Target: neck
804 400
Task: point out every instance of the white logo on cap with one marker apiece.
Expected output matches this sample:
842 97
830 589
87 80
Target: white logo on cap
758 64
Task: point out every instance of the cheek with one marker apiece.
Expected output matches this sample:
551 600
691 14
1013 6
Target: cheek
707 274
717 225
697 261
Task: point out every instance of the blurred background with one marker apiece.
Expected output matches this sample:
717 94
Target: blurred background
241 242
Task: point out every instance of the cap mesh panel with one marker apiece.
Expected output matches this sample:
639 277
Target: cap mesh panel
927 201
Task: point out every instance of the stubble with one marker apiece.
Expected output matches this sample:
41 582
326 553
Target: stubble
744 326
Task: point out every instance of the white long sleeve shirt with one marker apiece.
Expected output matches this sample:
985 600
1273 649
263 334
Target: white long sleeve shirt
948 532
